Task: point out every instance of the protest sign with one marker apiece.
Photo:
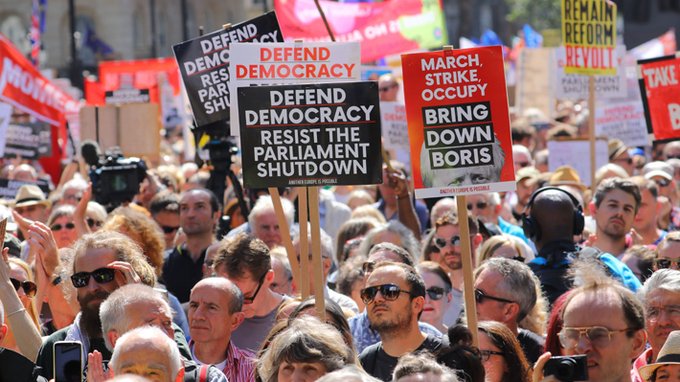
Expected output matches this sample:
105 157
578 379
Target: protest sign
28 140
310 134
289 63
5 116
624 120
122 96
203 63
534 81
9 188
459 129
575 86
589 36
395 131
564 153
658 79
383 28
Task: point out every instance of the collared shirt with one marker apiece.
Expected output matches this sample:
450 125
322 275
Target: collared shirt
239 364
643 360
364 336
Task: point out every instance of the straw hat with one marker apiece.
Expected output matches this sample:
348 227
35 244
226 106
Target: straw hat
29 195
566 176
669 355
530 173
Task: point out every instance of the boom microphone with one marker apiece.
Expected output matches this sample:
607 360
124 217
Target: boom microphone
90 152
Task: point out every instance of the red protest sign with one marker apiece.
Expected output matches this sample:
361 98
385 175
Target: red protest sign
459 128
383 28
659 84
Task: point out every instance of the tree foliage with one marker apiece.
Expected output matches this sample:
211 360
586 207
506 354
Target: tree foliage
540 14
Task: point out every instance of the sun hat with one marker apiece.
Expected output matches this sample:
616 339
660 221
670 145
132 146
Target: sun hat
669 355
29 195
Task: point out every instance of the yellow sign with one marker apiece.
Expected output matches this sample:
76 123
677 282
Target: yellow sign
589 36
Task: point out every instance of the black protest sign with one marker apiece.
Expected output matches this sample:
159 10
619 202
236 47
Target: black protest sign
204 65
28 140
310 135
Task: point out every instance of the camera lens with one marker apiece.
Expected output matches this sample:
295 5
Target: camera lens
565 369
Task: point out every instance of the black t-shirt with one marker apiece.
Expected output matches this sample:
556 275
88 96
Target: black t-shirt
181 273
532 344
380 365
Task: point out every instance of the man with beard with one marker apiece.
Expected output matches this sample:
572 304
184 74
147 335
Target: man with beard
199 210
447 253
103 262
614 207
394 296
527 183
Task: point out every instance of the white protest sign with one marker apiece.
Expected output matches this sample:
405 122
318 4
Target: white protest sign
575 86
288 64
564 152
624 120
395 131
5 116
534 80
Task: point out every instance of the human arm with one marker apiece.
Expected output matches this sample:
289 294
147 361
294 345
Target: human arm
405 209
80 213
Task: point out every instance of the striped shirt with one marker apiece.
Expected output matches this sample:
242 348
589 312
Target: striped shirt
239 366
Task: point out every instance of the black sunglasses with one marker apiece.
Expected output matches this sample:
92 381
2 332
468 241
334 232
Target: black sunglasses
29 287
390 292
101 276
480 296
249 300
663 182
167 229
58 227
92 223
663 263
441 242
479 205
436 293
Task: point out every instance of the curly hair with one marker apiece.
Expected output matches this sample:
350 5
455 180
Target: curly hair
124 248
143 230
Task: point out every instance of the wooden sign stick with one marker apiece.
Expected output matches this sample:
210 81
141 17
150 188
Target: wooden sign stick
285 234
468 281
591 130
303 287
317 266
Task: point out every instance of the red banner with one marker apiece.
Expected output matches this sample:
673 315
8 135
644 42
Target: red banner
22 86
134 74
384 28
458 122
660 85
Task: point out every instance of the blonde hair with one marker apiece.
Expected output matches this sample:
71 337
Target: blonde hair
32 310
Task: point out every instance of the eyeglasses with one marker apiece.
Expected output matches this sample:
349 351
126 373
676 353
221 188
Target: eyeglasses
523 164
479 205
628 161
384 89
486 354
521 259
93 223
480 296
29 287
101 276
435 293
441 242
168 229
58 227
598 336
390 292
251 299
664 263
652 313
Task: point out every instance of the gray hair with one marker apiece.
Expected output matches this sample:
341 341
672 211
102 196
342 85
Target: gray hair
349 373
265 203
516 277
666 279
113 312
305 340
413 364
326 243
494 198
280 255
63 210
408 239
152 337
227 286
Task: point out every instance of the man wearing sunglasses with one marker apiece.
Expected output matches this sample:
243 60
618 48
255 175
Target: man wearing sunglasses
388 87
199 210
246 262
164 209
505 291
660 296
103 262
604 321
394 296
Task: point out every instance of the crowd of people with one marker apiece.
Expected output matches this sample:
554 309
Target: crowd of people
151 292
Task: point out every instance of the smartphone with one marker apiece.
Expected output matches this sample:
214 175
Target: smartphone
67 359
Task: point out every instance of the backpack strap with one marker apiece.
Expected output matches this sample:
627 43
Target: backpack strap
203 374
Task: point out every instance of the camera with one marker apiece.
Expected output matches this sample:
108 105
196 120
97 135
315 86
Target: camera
115 179
569 368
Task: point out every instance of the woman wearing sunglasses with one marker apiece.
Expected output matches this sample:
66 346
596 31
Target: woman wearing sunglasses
438 295
21 278
62 225
501 354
